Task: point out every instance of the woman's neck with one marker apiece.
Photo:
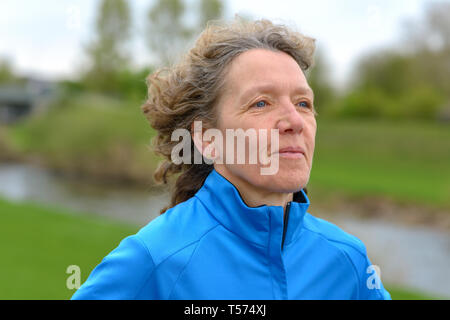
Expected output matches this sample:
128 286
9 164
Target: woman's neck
252 195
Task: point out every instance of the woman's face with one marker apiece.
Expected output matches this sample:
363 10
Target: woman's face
268 90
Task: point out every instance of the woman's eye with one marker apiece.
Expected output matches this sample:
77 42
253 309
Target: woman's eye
303 104
261 104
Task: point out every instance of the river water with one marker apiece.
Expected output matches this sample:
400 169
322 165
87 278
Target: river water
409 256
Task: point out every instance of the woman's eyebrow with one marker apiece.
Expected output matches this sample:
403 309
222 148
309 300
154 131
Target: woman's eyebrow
261 88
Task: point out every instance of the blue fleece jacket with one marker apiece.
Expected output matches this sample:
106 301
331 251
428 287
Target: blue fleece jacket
214 246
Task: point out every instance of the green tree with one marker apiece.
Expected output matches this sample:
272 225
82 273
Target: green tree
319 81
410 81
390 84
6 72
431 32
169 30
389 71
107 53
210 10
428 39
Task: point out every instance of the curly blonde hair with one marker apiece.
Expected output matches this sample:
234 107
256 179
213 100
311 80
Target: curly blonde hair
188 91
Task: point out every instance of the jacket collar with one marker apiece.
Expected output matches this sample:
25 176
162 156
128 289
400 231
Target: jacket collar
260 225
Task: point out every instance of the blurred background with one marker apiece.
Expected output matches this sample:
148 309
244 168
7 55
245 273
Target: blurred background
75 159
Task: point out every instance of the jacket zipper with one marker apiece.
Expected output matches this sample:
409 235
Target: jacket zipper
285 223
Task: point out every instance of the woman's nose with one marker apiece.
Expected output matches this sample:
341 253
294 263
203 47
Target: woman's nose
290 120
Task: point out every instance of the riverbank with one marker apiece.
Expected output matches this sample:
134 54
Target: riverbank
48 239
382 208
86 136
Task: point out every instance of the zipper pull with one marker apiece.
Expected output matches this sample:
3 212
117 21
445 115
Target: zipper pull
285 223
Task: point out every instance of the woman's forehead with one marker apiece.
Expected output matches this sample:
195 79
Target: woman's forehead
260 70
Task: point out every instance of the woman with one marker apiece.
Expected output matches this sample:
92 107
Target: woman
232 231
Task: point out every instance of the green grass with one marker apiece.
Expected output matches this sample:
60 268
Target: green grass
408 294
407 162
38 244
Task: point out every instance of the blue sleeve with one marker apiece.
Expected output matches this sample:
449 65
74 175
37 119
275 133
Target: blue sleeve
121 275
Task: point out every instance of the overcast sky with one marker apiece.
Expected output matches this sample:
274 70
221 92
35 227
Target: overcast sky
44 38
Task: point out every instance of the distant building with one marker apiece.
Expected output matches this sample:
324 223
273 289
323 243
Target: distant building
18 101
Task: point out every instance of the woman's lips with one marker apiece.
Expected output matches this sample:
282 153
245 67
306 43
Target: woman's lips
292 152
